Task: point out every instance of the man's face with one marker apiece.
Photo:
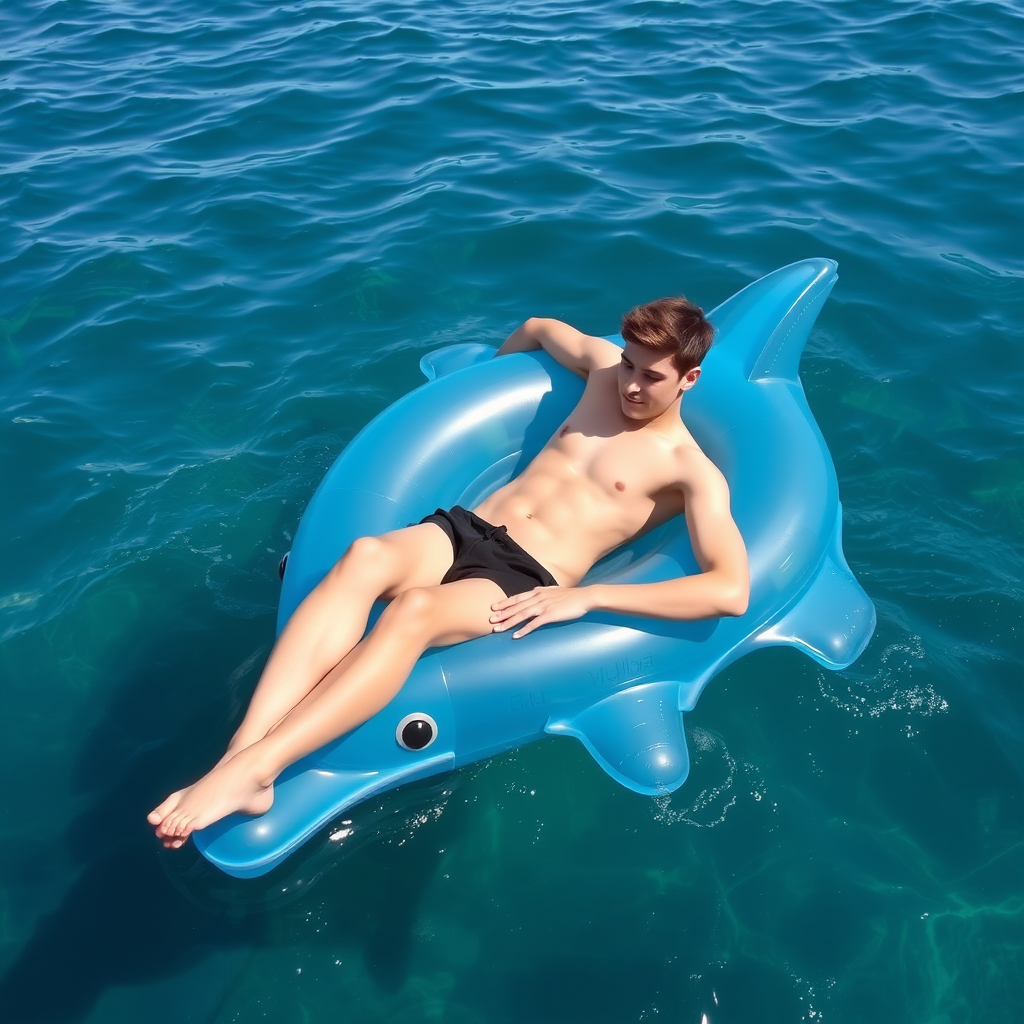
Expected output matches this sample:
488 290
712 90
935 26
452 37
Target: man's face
649 382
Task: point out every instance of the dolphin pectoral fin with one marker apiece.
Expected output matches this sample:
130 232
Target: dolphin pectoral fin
636 736
766 324
443 361
833 620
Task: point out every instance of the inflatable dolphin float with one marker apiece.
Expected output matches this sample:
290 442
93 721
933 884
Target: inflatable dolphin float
619 684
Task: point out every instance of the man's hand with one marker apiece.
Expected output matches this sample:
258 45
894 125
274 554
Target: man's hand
540 605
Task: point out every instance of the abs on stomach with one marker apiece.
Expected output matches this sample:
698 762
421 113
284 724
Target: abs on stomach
565 525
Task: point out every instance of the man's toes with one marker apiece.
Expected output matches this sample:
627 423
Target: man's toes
186 827
169 827
161 811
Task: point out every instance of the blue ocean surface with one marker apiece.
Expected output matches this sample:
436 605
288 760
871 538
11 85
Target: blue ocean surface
230 231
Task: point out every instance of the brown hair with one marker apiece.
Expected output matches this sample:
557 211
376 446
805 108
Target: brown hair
673 325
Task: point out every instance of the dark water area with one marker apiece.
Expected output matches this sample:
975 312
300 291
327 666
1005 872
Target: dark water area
230 232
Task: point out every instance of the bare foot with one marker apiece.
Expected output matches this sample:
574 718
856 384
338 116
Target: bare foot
161 811
234 785
157 815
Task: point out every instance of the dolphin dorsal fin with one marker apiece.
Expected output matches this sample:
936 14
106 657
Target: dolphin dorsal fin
636 736
766 325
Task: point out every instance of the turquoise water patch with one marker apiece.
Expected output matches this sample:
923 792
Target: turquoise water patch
231 234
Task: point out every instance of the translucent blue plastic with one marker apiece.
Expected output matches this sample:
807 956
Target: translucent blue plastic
619 684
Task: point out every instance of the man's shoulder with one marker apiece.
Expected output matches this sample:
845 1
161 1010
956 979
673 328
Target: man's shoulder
604 355
694 470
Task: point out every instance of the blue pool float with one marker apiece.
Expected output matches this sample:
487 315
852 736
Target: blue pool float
617 683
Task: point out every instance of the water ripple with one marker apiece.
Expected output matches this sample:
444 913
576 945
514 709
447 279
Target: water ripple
229 234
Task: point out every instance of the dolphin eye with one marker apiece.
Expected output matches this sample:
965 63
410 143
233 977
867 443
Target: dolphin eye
416 731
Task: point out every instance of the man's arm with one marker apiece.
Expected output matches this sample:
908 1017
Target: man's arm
723 585
575 350
721 588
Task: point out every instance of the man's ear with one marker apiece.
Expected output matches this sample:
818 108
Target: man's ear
688 379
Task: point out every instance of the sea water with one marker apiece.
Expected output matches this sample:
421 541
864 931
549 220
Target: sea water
230 231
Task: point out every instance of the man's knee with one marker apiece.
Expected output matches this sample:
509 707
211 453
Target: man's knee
412 611
367 557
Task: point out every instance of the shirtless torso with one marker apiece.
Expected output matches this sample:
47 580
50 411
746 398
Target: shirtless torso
599 482
622 463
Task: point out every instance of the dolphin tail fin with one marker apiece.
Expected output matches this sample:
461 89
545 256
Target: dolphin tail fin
833 620
442 361
766 324
636 736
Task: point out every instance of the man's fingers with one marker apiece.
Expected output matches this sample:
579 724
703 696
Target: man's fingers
513 619
540 605
516 615
510 602
517 609
537 605
530 626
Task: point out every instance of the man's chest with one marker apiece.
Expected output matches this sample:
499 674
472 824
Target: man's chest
624 466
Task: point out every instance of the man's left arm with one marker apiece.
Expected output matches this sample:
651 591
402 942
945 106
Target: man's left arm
721 588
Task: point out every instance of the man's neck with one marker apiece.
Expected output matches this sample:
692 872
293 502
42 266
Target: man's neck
667 424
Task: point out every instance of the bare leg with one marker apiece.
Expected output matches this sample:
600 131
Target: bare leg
358 688
329 623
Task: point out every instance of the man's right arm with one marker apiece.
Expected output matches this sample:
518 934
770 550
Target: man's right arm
575 350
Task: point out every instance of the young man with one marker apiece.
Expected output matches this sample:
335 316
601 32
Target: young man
620 464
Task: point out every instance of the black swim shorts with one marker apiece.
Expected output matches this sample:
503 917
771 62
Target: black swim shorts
487 552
